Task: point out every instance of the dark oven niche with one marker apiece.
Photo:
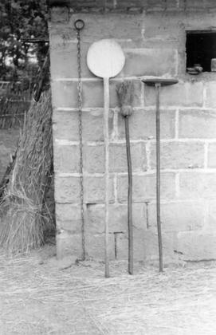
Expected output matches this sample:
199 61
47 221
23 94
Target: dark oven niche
200 51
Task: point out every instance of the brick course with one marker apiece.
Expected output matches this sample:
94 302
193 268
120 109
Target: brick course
212 155
144 187
195 185
179 216
197 124
144 62
142 125
179 155
117 218
66 125
186 95
63 162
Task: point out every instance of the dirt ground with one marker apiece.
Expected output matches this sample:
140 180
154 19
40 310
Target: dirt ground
38 295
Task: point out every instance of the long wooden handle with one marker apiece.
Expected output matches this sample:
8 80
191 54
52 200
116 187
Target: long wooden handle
106 172
160 246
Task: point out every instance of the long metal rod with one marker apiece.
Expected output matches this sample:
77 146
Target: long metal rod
130 223
160 245
79 88
106 173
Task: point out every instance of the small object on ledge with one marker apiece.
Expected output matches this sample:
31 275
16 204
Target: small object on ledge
213 65
197 69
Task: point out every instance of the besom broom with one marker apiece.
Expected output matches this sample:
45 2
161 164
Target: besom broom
125 91
23 210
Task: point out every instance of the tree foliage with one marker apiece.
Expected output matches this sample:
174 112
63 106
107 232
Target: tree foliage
21 21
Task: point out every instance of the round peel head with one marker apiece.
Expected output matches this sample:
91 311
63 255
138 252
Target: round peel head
105 58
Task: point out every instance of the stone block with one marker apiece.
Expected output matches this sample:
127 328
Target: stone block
111 26
122 246
109 4
201 5
172 5
197 124
118 157
95 219
68 244
178 216
212 155
93 95
181 94
61 34
162 31
68 218
197 185
179 155
95 246
142 125
64 62
66 125
117 218
93 125
196 246
210 100
65 94
210 4
94 158
155 5
146 246
144 187
150 62
194 5
125 4
94 189
59 14
87 4
66 158
67 189
211 219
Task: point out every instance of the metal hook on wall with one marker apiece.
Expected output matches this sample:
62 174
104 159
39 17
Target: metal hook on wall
79 24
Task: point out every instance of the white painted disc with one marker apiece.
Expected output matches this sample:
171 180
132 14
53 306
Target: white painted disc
105 58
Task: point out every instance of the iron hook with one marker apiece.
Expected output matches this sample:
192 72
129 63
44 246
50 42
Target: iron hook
79 24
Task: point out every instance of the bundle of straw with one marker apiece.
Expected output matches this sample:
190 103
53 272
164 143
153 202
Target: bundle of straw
125 94
22 208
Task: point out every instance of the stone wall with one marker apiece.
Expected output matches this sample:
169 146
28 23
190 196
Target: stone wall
154 45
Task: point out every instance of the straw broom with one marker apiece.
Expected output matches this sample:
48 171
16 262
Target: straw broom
22 214
125 92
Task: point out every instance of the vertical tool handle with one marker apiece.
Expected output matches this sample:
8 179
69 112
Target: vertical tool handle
106 172
160 247
130 222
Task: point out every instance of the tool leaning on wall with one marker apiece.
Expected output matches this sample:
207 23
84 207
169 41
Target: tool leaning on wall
157 83
105 59
79 26
125 91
